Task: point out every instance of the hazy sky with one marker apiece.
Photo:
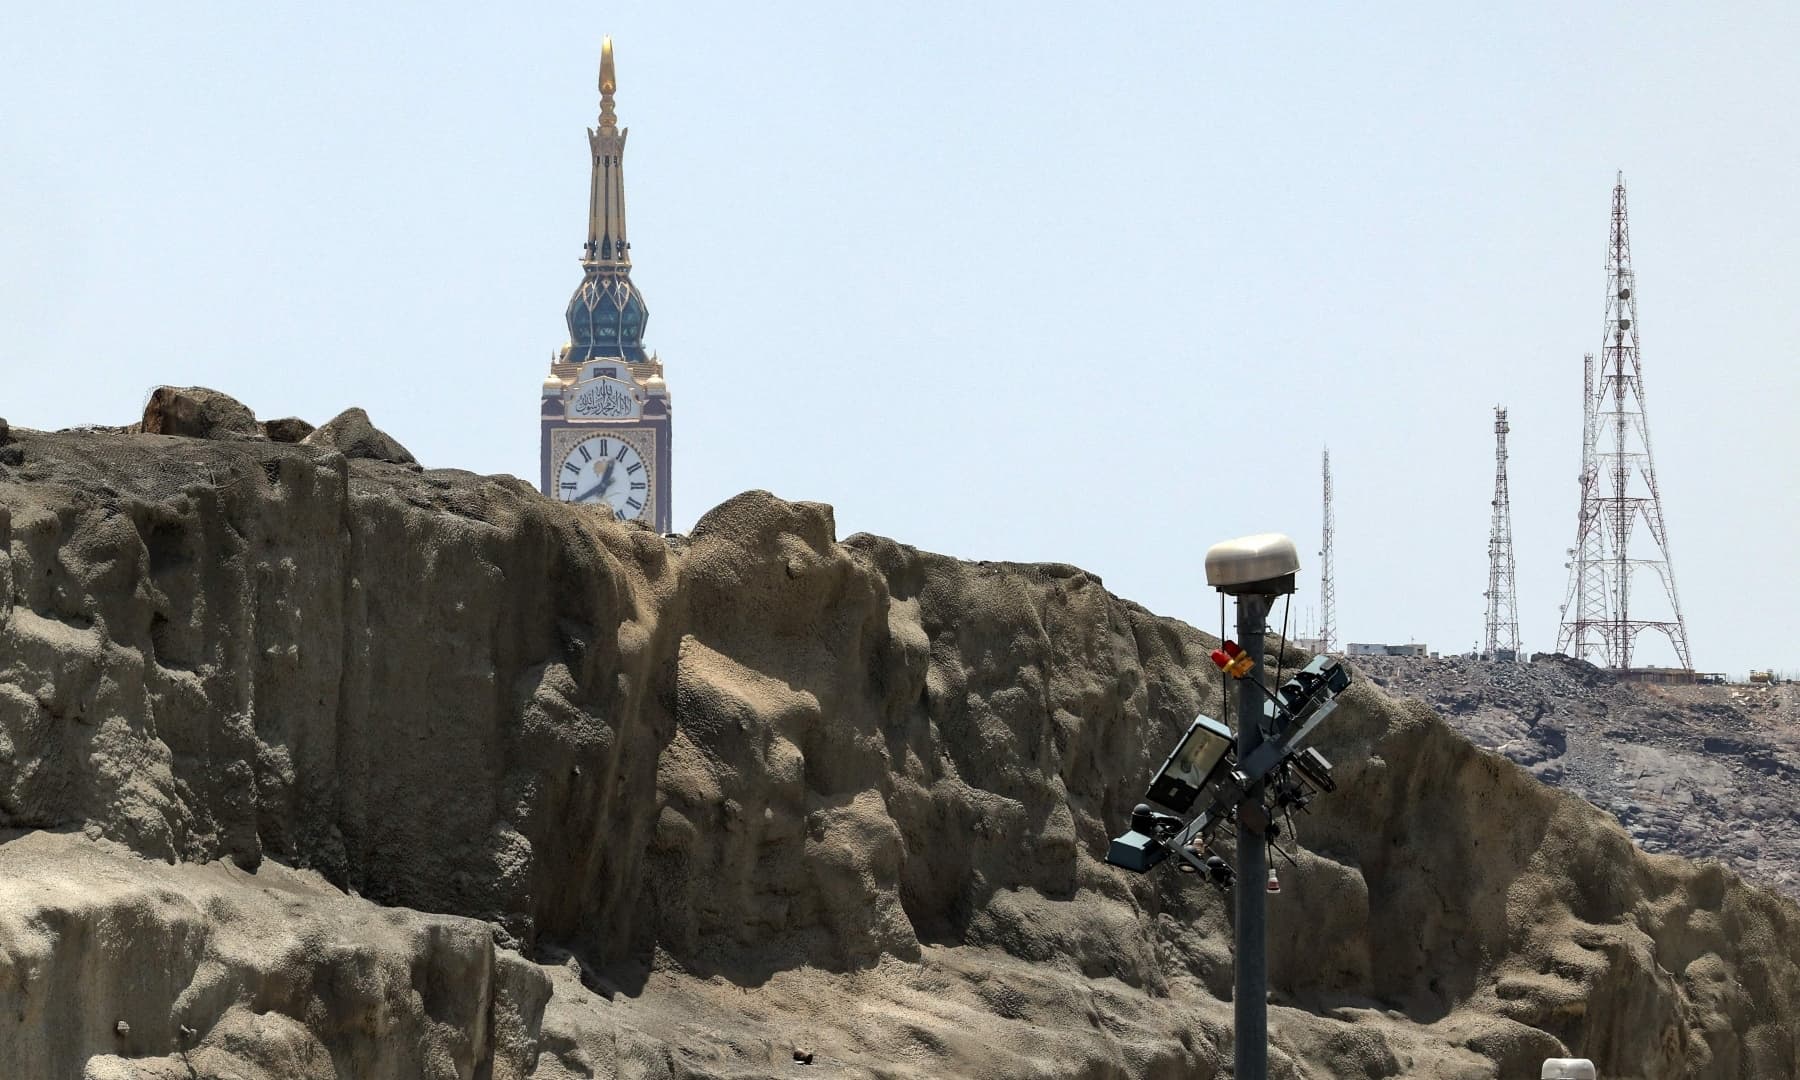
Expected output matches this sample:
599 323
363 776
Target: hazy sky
1005 280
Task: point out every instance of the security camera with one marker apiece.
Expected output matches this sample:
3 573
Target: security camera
1146 820
1312 765
1203 771
1213 869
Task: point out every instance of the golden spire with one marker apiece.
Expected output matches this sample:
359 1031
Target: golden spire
609 83
606 244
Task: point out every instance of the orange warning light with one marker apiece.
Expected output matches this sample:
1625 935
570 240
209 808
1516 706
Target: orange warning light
1232 660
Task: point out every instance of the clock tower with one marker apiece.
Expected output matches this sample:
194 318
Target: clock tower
605 406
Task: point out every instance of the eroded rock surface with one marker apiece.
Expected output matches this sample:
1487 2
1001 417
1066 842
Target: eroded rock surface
727 796
124 967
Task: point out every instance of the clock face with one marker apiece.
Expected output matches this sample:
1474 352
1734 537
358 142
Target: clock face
605 469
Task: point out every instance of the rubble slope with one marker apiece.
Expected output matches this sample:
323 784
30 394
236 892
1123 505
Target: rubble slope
1704 771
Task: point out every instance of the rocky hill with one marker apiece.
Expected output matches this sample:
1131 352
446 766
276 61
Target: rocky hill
1708 772
316 763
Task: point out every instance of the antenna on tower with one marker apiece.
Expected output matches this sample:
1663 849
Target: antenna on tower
1502 599
1328 642
1618 486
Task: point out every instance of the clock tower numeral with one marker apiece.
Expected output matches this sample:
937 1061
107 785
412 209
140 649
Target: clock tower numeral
568 485
585 456
571 467
634 468
634 505
638 485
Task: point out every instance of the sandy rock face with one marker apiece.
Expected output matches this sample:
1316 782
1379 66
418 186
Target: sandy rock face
126 963
732 795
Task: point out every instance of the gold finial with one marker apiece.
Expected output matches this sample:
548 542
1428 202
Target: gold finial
609 82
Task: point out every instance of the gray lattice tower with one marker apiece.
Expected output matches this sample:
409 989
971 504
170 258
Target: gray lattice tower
1602 612
1583 634
1502 599
1327 587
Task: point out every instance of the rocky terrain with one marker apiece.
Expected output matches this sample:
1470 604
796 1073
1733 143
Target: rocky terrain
318 763
1707 772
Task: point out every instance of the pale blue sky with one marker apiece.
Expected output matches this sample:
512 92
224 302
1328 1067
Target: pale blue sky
1009 281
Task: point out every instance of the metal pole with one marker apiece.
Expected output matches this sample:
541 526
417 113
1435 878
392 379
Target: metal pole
1252 1003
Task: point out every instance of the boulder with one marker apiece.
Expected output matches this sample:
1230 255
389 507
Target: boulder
352 434
288 429
198 413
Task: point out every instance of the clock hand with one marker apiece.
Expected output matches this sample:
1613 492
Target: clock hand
600 488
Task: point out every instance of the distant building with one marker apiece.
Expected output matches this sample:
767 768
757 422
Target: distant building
1663 676
1417 650
605 406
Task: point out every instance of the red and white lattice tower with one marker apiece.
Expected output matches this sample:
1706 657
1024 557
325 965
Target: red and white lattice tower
1602 614
1502 598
